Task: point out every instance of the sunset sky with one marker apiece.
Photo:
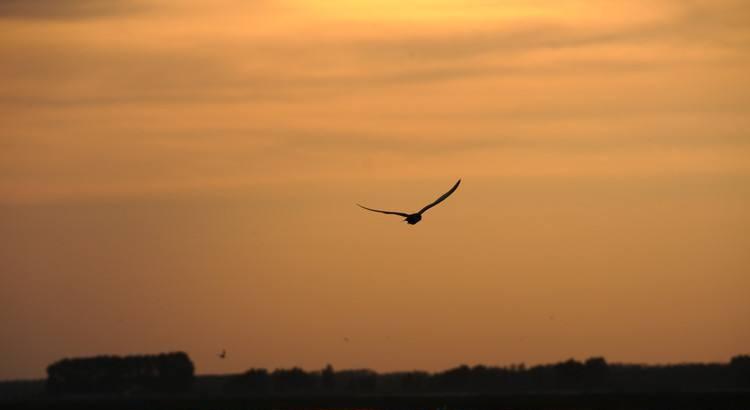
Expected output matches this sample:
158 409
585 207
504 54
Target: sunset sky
183 175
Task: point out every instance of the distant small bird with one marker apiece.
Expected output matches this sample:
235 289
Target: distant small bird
346 339
223 354
412 219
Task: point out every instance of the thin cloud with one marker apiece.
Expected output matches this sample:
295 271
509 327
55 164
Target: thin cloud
281 68
66 9
704 25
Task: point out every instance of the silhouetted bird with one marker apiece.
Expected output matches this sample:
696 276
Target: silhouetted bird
223 354
412 219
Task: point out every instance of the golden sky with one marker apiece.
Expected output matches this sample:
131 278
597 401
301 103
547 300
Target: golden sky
182 175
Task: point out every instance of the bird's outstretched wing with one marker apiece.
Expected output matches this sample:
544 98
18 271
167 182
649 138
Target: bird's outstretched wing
384 212
441 199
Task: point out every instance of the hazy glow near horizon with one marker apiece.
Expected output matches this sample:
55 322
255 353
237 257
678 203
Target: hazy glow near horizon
181 175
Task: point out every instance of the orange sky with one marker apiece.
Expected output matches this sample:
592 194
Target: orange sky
181 175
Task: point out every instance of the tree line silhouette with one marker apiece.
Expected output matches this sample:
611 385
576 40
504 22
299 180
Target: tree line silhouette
174 372
166 372
592 375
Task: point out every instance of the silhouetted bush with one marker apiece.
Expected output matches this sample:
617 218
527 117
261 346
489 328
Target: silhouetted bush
252 381
328 378
293 380
358 381
171 372
403 382
596 373
740 367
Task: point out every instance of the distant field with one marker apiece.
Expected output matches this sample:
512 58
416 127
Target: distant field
542 401
208 392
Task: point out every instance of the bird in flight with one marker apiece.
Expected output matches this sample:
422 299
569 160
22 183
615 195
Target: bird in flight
223 354
412 219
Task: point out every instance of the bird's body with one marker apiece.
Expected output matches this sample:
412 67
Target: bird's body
413 219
